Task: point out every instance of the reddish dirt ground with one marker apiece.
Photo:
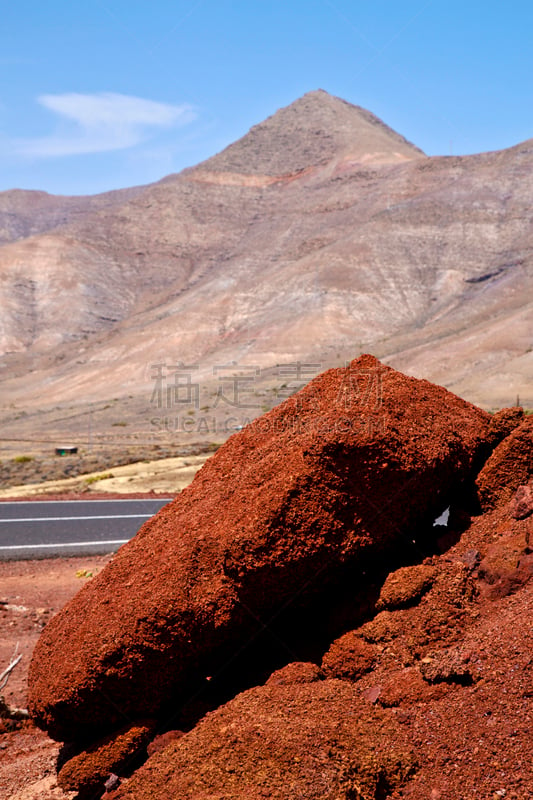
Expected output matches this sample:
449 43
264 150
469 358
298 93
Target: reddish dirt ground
30 593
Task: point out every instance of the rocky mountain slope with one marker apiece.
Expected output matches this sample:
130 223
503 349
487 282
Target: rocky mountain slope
320 234
25 213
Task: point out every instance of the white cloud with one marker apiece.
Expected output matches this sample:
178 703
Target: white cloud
97 123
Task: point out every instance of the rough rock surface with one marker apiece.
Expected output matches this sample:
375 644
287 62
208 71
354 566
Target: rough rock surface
509 466
296 672
89 771
522 503
447 666
503 422
338 130
504 570
456 689
285 742
349 657
405 586
336 475
438 616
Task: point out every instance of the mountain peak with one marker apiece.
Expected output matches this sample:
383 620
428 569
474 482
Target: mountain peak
312 130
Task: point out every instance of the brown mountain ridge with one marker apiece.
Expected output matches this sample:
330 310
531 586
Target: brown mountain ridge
320 234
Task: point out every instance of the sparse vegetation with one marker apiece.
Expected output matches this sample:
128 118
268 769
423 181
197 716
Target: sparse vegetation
95 478
84 573
22 459
46 466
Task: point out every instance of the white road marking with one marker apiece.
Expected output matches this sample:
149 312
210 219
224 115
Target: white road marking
67 519
61 544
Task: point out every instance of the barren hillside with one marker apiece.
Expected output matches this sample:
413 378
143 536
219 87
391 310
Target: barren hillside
320 234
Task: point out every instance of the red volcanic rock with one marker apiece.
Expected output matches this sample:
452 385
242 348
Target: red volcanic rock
300 500
296 672
405 586
407 687
89 770
438 615
507 566
522 502
349 657
458 722
318 741
163 740
509 466
446 666
503 422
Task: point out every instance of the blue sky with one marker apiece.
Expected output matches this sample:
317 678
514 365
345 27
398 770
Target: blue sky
103 94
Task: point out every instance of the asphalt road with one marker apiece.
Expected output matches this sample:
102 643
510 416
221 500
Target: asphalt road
72 527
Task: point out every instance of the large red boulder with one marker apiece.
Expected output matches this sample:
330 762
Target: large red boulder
297 501
509 466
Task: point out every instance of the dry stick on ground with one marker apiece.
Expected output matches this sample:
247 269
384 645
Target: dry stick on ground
6 712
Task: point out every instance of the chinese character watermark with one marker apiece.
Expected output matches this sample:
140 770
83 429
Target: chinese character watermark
361 389
180 390
235 385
